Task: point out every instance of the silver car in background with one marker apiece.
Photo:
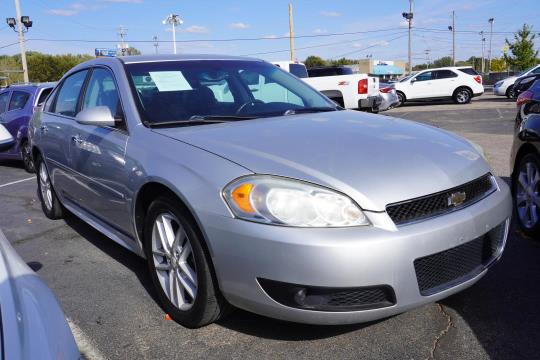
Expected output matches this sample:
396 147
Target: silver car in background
242 185
389 97
32 324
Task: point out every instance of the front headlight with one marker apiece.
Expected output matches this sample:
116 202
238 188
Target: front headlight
281 201
498 83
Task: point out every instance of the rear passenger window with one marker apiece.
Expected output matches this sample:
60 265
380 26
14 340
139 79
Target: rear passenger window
444 74
101 91
4 98
469 71
68 96
43 96
18 100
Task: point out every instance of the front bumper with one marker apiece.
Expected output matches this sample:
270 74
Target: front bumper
382 254
499 90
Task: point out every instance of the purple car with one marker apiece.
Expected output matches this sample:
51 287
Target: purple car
17 104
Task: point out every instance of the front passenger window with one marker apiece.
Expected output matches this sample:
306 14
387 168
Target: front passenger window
101 91
66 102
424 76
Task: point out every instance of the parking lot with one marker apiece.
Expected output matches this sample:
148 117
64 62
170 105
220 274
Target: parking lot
107 296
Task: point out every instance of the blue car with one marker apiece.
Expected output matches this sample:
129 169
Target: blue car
17 104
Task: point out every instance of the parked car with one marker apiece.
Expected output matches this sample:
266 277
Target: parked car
505 87
388 95
32 325
289 207
17 104
458 83
525 161
348 90
6 140
523 83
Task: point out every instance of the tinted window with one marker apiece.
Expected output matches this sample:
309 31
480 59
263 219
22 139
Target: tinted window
536 71
4 98
443 74
101 91
329 71
179 90
425 76
18 100
298 70
68 96
469 71
43 96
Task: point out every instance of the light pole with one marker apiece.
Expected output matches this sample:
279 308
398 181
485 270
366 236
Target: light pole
20 22
453 30
490 21
483 47
409 17
156 43
174 20
291 32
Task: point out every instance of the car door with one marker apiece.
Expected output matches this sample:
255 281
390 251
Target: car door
4 100
55 129
16 115
98 155
444 82
421 86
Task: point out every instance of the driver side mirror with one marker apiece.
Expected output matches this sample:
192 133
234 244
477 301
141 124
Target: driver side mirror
413 80
97 116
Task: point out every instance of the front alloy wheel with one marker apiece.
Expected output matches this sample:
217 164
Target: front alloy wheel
174 262
179 265
49 202
527 197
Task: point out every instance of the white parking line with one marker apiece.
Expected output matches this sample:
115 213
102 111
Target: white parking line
16 182
86 346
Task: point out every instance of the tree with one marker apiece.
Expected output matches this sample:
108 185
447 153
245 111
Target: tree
342 61
522 49
419 67
133 51
498 65
314 61
442 62
45 67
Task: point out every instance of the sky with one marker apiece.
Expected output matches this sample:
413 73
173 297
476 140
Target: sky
374 28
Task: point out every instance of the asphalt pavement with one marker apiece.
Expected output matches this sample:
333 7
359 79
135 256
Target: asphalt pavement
107 296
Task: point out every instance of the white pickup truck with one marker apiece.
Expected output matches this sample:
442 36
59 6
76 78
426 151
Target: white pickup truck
352 91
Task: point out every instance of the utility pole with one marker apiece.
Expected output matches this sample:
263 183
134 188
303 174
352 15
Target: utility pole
409 17
21 40
453 38
156 43
483 46
122 32
427 51
291 32
490 20
173 20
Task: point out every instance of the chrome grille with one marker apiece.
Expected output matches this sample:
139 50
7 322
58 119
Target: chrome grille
438 204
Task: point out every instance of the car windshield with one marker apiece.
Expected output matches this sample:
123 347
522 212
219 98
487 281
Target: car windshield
525 71
225 90
408 77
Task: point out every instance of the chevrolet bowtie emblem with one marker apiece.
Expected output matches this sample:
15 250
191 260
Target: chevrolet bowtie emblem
457 198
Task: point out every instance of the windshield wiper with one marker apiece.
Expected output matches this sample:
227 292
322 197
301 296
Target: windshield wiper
199 119
309 110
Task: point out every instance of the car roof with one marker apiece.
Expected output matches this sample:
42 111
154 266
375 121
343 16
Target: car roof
448 68
29 86
178 57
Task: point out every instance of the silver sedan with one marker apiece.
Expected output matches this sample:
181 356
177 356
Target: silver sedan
241 185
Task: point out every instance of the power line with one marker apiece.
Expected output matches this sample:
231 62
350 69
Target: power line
368 47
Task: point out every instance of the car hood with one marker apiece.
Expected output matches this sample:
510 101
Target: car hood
32 323
374 159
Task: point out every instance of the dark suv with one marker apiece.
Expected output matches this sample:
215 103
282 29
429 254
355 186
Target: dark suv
17 104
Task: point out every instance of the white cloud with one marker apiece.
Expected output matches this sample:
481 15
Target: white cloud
62 12
320 31
73 9
330 13
273 36
197 29
239 26
357 45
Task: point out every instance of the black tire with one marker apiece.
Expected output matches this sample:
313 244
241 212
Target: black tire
209 305
402 99
52 208
462 95
26 155
510 92
529 228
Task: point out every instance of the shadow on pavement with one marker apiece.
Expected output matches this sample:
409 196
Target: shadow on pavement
12 163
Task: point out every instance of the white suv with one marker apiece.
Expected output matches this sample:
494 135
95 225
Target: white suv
458 83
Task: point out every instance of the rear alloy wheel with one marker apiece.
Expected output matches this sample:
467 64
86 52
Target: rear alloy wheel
26 155
179 267
462 96
401 98
527 196
49 202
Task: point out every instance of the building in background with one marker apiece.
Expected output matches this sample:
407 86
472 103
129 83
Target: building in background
385 70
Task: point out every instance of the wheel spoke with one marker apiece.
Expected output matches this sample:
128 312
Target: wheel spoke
188 271
162 236
534 214
521 197
173 288
169 232
522 180
188 286
159 253
186 251
163 267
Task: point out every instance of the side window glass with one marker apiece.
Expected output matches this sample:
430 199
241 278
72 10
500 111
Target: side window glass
4 98
50 100
536 71
68 96
444 74
424 76
18 100
43 96
101 91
